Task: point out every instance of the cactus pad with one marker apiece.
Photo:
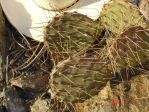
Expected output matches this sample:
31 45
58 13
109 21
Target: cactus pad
69 34
120 14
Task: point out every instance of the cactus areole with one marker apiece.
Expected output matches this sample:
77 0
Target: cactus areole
30 17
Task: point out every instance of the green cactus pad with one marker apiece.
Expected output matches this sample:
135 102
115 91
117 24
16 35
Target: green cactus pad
80 78
69 34
120 14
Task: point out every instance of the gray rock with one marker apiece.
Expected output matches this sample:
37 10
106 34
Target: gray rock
41 105
14 103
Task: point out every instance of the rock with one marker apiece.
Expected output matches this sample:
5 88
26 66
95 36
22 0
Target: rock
14 102
135 2
3 109
41 105
32 83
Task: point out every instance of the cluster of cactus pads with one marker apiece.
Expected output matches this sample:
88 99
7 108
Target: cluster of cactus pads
83 77
81 67
80 75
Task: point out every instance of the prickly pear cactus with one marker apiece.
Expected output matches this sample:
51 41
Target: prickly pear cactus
80 78
120 14
69 34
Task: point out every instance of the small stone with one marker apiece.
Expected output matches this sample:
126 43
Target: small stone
41 105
